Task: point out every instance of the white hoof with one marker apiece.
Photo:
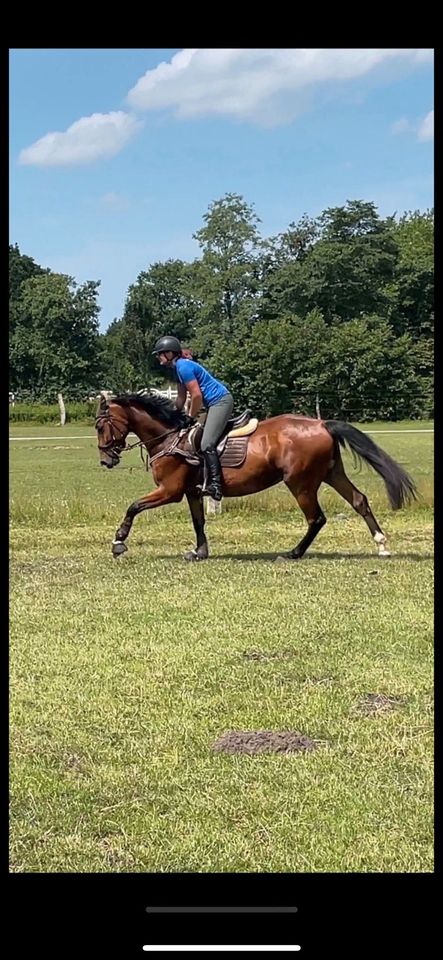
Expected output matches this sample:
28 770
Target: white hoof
380 540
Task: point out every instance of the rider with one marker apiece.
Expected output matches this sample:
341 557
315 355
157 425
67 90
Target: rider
203 389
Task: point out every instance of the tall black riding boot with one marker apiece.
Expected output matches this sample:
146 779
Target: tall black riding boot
213 484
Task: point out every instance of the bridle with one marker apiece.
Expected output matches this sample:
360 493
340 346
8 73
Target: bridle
117 445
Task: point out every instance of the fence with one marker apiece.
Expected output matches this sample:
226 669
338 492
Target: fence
171 393
370 405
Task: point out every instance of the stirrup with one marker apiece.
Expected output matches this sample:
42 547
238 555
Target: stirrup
214 494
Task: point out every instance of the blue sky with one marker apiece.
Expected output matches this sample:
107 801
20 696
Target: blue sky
115 155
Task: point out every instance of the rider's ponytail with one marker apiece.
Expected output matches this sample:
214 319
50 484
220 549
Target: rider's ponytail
186 353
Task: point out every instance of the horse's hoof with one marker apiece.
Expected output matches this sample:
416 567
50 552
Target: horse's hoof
192 555
118 548
384 553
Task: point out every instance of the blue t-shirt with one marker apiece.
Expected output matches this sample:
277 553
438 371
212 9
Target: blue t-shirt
212 390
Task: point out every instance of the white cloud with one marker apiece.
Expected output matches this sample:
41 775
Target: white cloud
267 86
260 85
97 137
426 128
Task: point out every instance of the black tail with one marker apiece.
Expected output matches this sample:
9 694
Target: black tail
400 487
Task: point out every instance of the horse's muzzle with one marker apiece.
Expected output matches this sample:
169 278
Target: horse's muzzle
109 460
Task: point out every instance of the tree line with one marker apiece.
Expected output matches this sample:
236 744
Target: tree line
335 313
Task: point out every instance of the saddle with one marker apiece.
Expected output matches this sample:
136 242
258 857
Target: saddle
232 446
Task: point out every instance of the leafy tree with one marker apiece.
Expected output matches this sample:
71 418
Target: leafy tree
227 275
159 302
21 268
272 363
412 290
371 372
57 335
339 307
347 257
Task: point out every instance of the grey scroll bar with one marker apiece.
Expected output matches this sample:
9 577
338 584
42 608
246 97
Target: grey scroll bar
221 909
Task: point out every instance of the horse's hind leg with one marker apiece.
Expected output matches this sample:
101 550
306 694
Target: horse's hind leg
307 501
337 479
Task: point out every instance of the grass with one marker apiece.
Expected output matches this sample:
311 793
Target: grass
123 674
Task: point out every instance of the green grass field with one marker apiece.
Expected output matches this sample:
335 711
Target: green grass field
123 674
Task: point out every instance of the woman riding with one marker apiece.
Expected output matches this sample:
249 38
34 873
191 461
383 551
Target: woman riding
203 389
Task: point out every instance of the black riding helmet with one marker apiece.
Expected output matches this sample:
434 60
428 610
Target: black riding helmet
166 344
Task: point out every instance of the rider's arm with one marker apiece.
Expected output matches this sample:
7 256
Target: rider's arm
196 397
181 396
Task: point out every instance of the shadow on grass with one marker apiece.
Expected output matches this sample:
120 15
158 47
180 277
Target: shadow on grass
417 557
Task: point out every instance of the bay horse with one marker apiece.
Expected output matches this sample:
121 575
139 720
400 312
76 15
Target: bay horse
303 452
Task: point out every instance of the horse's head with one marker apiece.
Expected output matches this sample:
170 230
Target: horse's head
151 417
112 428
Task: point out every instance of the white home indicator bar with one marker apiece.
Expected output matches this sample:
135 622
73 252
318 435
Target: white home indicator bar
223 948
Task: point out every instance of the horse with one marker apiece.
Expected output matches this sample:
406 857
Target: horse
301 451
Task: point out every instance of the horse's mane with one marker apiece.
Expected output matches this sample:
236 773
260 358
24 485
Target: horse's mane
158 407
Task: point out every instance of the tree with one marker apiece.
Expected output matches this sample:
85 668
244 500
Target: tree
117 372
291 245
372 373
226 277
21 268
273 365
347 259
57 333
341 305
159 302
412 290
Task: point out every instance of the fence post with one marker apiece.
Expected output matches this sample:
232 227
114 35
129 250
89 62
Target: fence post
213 507
62 409
317 407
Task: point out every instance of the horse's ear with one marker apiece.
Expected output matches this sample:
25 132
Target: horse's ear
102 401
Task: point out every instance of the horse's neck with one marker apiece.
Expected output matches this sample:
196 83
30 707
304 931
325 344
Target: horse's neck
145 427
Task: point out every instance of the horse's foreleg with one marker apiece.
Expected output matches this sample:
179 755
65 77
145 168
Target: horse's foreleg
198 519
158 498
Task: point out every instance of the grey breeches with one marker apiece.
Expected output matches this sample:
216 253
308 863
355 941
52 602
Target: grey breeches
216 420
